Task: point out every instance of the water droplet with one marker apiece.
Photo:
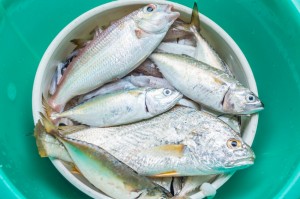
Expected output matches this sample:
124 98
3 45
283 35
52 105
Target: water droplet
11 91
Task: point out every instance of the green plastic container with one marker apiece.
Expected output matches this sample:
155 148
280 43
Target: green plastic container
267 33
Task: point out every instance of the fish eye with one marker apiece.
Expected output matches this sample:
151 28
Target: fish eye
167 92
150 8
234 143
250 98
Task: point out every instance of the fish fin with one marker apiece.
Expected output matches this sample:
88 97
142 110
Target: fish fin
80 43
195 20
47 108
166 174
49 127
140 33
74 169
38 130
176 150
65 130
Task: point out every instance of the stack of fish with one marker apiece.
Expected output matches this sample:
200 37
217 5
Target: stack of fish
124 134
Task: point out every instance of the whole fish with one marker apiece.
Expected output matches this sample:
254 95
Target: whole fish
103 170
115 52
207 85
180 142
121 107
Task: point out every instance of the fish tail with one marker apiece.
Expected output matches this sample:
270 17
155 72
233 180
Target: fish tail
38 131
48 126
50 112
195 20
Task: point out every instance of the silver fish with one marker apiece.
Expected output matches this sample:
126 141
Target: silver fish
206 85
121 107
103 170
117 50
181 142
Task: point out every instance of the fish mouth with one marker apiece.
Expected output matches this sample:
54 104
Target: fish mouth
245 161
254 108
172 15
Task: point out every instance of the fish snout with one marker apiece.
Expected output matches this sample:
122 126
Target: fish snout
172 14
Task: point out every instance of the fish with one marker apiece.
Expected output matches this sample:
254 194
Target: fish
103 170
148 68
207 85
120 107
115 52
180 142
129 82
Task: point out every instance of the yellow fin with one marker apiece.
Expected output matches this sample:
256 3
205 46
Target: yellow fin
168 150
38 130
167 174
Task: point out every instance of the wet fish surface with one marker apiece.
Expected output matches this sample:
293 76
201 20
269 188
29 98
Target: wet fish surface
181 142
121 107
207 85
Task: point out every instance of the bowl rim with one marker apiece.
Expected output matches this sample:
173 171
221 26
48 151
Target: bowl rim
249 131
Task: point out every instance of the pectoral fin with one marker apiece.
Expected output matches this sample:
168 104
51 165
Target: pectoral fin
167 174
176 150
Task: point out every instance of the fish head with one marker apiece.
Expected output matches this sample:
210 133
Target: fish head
240 100
160 100
156 18
223 150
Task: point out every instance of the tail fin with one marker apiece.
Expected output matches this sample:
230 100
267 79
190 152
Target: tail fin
39 129
49 127
46 106
50 112
195 20
39 133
